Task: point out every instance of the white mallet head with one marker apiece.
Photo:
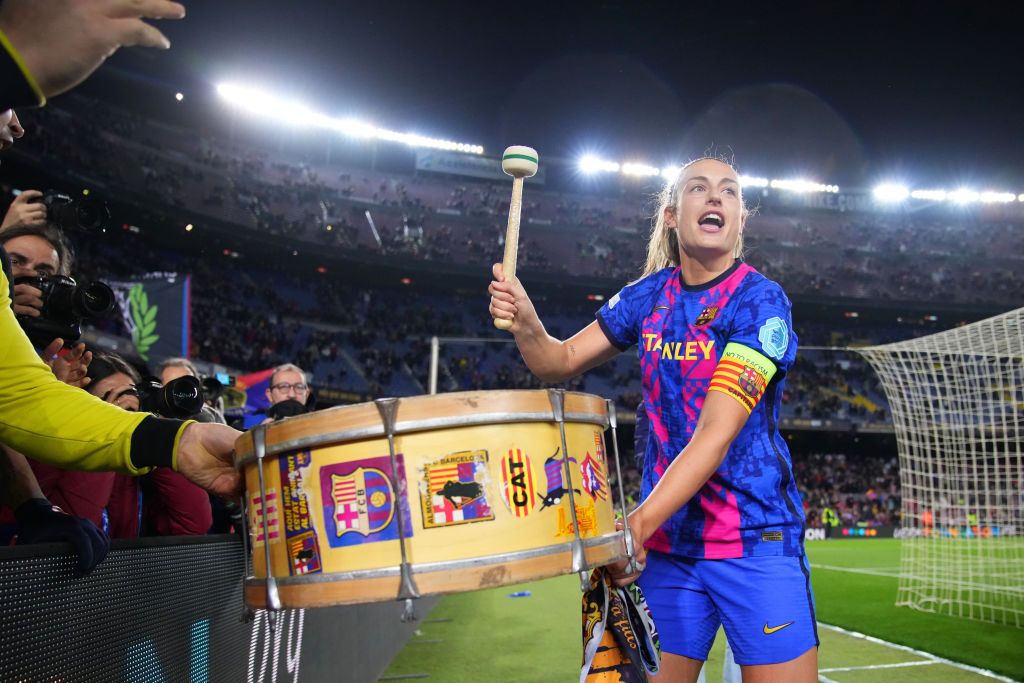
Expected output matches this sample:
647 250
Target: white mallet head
519 161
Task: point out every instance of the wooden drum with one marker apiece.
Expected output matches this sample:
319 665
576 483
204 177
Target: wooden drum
425 495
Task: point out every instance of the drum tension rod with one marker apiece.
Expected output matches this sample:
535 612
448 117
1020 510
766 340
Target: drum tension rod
247 612
407 590
627 533
259 443
579 559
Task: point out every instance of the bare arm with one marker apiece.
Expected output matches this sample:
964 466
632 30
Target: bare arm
721 419
17 482
548 358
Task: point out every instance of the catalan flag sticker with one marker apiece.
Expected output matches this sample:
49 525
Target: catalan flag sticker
742 373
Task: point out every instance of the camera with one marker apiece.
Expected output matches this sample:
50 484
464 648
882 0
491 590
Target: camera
180 398
86 214
65 304
215 385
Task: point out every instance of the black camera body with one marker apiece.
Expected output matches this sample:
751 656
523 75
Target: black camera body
65 304
180 398
86 214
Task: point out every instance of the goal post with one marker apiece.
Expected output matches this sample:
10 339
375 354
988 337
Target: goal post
957 405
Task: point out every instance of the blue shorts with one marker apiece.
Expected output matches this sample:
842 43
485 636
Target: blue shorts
765 604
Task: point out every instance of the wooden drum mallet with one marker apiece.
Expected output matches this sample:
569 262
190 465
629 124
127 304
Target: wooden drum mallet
519 162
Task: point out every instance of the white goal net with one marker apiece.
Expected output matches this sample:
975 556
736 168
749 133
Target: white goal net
957 402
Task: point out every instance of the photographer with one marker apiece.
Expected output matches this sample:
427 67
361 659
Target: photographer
170 504
47 48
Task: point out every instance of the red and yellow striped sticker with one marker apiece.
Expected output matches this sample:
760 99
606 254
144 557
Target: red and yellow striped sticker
742 373
517 488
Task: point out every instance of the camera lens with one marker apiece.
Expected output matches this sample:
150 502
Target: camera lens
91 215
92 300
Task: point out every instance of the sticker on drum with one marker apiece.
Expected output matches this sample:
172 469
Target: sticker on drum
517 488
586 515
260 506
599 446
359 502
454 490
595 483
554 470
301 537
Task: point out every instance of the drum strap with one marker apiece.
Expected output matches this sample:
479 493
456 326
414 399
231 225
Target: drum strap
620 641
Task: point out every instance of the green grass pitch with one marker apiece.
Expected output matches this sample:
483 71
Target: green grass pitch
489 636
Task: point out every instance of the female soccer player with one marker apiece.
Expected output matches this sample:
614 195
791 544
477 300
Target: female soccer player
721 523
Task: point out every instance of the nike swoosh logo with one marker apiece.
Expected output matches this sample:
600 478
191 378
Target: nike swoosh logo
768 630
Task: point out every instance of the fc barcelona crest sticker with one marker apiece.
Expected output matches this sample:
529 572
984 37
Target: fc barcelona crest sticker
706 316
456 490
360 501
517 483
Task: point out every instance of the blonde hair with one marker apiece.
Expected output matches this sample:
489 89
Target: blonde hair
663 245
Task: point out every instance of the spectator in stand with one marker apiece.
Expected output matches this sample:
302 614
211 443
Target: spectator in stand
288 393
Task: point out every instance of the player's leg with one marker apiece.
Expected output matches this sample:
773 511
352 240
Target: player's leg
803 669
683 613
767 608
677 669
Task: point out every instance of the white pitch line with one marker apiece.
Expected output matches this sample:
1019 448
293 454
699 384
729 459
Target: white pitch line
825 679
920 662
919 653
891 573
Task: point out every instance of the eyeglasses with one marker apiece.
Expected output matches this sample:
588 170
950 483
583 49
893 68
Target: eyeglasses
285 387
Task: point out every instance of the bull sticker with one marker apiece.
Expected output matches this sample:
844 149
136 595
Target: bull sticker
265 505
595 483
586 516
456 490
554 470
303 545
517 487
360 502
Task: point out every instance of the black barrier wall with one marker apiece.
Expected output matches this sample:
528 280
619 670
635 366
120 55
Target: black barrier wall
169 610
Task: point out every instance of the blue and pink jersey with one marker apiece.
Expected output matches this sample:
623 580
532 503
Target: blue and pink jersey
751 505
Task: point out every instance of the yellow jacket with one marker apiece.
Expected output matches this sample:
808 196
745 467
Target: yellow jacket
53 422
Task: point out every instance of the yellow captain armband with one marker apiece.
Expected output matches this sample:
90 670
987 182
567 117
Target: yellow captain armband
743 373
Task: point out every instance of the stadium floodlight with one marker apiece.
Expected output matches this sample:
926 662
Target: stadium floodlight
753 181
992 197
929 195
1020 198
802 186
963 196
638 169
888 192
669 173
590 164
258 102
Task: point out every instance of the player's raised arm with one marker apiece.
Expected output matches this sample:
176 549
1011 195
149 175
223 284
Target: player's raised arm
548 358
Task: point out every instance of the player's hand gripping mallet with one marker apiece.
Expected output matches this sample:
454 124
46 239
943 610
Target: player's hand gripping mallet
519 162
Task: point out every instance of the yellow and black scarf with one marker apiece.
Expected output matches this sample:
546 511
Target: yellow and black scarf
620 642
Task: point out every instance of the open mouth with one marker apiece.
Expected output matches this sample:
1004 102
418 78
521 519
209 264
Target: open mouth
711 219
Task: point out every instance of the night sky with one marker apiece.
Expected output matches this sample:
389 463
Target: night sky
847 92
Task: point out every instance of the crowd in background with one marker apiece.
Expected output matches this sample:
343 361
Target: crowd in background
874 256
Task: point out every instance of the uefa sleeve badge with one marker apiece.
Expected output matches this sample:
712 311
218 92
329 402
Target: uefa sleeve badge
774 337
